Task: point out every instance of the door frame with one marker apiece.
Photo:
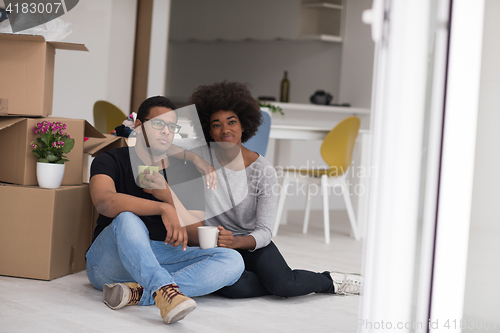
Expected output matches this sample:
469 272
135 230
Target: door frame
398 110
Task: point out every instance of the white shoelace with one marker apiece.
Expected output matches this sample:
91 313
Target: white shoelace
348 286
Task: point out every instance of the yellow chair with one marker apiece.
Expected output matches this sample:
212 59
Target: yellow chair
336 150
107 116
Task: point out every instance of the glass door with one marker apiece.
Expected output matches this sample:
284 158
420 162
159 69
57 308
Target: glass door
423 130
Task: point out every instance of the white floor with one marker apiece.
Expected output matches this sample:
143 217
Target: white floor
71 304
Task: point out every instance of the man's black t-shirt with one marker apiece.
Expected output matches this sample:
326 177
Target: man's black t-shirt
184 180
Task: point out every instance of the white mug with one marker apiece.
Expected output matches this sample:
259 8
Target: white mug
208 236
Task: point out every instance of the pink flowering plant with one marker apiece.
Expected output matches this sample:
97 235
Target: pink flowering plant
53 143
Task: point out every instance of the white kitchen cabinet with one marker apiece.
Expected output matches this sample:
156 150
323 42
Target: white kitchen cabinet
256 20
321 20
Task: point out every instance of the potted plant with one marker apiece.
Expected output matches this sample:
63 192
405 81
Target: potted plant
50 148
271 107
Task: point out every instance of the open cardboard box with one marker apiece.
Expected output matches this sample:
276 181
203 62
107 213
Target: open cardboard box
44 233
95 146
18 163
27 67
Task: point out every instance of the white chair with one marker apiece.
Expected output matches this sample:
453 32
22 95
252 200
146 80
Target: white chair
336 149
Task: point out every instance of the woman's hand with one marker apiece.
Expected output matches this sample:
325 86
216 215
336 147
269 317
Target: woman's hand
206 170
226 239
158 187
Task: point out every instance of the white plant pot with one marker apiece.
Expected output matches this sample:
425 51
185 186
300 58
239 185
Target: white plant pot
49 175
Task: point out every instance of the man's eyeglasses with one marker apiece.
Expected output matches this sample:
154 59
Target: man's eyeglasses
160 124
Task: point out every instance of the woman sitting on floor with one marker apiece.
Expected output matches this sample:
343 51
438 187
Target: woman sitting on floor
229 115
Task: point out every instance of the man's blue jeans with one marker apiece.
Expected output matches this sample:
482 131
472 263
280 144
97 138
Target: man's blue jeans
123 252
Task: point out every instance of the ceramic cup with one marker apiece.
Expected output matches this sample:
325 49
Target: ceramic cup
208 236
141 175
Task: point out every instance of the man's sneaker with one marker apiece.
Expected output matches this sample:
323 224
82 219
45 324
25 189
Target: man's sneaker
118 295
173 304
347 283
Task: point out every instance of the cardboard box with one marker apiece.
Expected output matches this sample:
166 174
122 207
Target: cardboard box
4 106
18 163
95 146
27 67
44 233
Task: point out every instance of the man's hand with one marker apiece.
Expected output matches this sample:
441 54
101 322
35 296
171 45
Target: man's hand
226 239
206 170
158 187
176 234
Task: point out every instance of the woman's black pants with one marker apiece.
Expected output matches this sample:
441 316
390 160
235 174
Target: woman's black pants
267 273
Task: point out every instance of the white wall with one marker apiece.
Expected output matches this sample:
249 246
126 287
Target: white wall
358 51
482 294
107 28
311 65
158 48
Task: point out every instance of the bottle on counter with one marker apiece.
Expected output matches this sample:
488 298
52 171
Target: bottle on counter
285 89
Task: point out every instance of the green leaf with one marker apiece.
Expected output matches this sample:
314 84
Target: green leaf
61 161
43 160
46 138
272 108
52 158
69 143
54 151
41 143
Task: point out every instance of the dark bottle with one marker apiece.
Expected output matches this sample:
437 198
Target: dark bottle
285 89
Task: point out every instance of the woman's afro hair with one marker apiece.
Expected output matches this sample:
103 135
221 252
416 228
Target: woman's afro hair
227 96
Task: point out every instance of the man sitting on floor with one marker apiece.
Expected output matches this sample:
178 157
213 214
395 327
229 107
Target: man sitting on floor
139 254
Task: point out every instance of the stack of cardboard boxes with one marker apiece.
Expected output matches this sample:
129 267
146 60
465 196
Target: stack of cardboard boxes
44 233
